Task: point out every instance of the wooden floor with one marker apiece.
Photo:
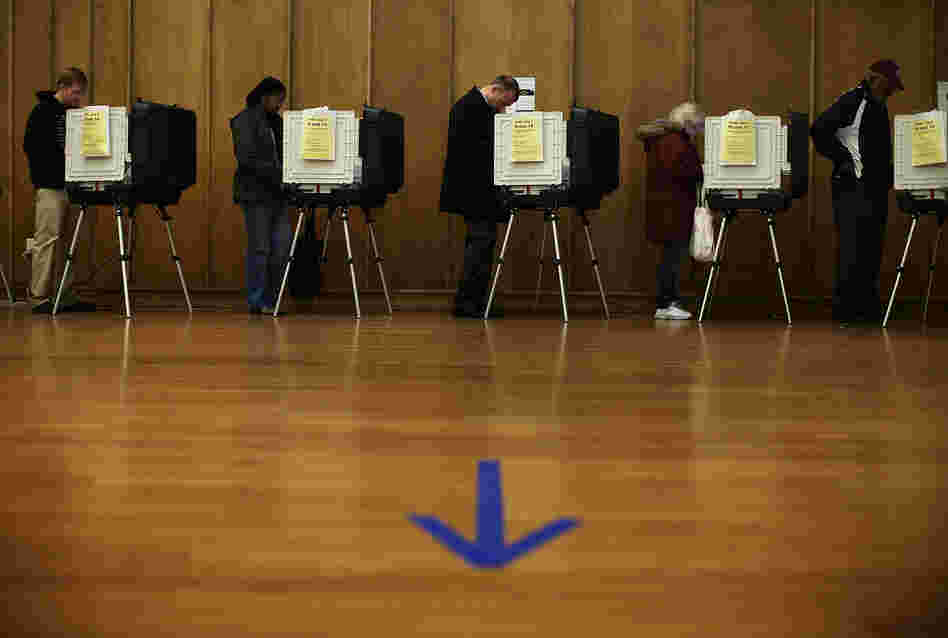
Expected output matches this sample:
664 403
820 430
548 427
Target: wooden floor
228 475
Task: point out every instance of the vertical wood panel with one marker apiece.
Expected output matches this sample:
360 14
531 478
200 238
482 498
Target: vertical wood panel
331 67
31 73
763 69
898 30
632 61
250 41
170 40
6 139
411 80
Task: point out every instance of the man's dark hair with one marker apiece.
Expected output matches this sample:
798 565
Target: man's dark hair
268 86
70 77
507 83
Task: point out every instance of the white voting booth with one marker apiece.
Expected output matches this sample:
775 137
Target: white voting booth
99 171
745 157
321 149
322 167
921 183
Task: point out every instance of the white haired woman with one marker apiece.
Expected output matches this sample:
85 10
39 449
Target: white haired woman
673 174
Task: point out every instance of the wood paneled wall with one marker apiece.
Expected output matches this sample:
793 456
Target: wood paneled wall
636 60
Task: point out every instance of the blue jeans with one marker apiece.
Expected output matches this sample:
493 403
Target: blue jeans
268 247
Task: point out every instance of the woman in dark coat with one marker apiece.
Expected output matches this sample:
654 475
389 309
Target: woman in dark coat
258 145
673 175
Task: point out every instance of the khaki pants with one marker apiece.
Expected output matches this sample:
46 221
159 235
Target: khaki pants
49 254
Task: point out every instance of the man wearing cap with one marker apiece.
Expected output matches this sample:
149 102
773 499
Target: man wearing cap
855 133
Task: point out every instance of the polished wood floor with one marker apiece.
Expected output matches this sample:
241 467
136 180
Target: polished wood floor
228 475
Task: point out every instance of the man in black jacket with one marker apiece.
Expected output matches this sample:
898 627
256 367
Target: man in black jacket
45 146
468 186
855 133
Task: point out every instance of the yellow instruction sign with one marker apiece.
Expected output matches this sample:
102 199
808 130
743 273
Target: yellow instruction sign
928 143
738 143
526 143
94 132
319 138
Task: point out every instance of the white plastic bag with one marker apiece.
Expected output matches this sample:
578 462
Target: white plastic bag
702 234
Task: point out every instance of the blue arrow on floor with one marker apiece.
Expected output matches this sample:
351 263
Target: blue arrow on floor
490 549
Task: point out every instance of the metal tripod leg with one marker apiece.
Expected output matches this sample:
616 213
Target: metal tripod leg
289 260
554 217
931 268
69 257
898 271
715 266
536 299
370 222
6 284
500 261
771 224
595 263
132 241
124 257
349 261
166 218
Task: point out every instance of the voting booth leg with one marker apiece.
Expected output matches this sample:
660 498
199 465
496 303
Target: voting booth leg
289 260
166 218
132 236
931 269
500 261
771 224
715 266
69 257
123 256
595 263
898 271
349 261
6 285
536 299
370 222
554 217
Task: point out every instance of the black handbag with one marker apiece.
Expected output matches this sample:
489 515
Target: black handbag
306 270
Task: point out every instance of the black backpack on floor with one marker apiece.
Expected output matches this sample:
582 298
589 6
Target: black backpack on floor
306 273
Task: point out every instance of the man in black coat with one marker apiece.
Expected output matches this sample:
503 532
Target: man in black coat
468 186
855 133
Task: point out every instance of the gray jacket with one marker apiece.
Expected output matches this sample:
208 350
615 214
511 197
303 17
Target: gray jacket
259 174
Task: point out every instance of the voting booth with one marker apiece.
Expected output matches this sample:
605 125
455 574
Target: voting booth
921 184
336 160
124 159
542 162
746 158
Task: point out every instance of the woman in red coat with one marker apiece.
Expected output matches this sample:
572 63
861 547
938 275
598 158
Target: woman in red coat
673 175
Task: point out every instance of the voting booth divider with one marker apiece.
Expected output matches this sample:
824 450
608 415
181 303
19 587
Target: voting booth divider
335 160
544 163
745 158
125 159
921 184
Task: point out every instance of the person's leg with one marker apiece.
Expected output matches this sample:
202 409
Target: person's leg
50 238
258 250
852 212
668 272
281 235
479 245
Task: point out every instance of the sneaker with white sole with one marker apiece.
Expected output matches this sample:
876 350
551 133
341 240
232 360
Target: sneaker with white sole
673 311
